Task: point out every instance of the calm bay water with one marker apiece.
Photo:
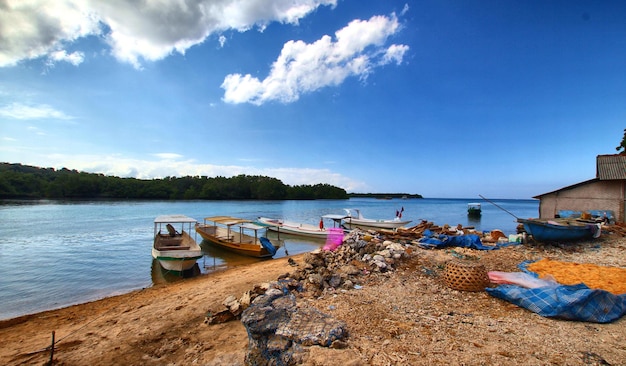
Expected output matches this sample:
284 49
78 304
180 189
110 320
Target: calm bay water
54 253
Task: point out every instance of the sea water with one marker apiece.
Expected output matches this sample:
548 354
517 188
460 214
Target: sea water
57 253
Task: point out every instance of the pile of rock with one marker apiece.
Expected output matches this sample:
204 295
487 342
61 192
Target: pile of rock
279 329
324 271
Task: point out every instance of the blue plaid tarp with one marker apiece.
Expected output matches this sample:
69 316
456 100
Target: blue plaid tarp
575 302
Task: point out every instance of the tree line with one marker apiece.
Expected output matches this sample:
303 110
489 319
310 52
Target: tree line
19 181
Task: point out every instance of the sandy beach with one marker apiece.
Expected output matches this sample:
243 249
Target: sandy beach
403 316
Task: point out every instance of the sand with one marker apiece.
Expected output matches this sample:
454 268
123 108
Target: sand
407 316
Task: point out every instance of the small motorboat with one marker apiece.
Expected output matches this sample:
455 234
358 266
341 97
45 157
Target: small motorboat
358 221
237 235
474 210
175 249
301 229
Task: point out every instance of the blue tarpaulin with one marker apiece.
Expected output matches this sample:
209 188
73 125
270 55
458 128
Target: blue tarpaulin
571 302
429 240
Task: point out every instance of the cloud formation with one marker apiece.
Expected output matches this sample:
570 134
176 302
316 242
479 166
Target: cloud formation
300 68
135 30
29 112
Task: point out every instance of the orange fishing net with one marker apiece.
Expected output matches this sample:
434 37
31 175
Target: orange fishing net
612 279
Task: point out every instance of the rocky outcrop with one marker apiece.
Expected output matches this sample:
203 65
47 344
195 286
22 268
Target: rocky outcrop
279 329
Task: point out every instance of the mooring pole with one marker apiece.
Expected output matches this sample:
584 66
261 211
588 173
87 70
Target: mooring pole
52 350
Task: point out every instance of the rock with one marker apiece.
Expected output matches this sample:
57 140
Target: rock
335 281
278 329
246 299
218 318
233 305
316 279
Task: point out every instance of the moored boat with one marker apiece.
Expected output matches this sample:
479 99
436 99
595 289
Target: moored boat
176 250
474 210
559 230
301 229
352 222
237 235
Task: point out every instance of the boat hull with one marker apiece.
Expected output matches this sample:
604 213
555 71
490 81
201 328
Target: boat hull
352 223
551 231
286 227
177 262
219 239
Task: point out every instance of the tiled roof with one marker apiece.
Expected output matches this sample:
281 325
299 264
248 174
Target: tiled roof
610 167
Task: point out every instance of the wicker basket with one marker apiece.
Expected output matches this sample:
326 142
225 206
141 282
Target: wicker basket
465 276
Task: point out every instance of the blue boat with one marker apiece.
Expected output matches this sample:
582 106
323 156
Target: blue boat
555 230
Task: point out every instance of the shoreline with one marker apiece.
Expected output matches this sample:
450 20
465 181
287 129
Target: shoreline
404 316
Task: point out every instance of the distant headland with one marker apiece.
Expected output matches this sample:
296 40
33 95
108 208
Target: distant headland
19 181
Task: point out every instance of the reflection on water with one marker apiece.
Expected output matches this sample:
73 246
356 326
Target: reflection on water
294 244
161 275
216 258
473 220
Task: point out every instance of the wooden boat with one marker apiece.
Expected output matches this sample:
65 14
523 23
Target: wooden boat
237 235
301 229
352 222
474 210
551 230
175 249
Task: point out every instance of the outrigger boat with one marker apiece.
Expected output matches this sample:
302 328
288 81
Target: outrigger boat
302 229
361 222
175 250
237 235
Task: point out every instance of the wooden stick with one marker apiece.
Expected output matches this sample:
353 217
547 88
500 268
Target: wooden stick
52 351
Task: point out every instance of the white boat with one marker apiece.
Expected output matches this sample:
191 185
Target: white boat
351 221
174 248
301 229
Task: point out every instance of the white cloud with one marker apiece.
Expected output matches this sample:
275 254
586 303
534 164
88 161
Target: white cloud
74 58
35 28
168 156
302 67
222 40
27 112
135 30
405 9
394 53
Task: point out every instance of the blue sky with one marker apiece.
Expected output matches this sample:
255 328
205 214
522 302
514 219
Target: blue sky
505 99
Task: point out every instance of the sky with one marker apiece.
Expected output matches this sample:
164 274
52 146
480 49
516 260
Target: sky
443 98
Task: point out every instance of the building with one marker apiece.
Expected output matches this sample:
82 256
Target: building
606 193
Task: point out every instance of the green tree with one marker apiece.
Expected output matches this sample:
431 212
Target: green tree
622 146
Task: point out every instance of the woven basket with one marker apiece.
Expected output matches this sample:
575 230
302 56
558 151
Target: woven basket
465 276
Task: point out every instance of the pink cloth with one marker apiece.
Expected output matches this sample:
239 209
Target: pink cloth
521 279
334 238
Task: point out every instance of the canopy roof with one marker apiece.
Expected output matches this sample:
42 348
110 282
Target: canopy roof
226 220
174 218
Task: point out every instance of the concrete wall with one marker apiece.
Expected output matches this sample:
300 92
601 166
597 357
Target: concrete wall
596 195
